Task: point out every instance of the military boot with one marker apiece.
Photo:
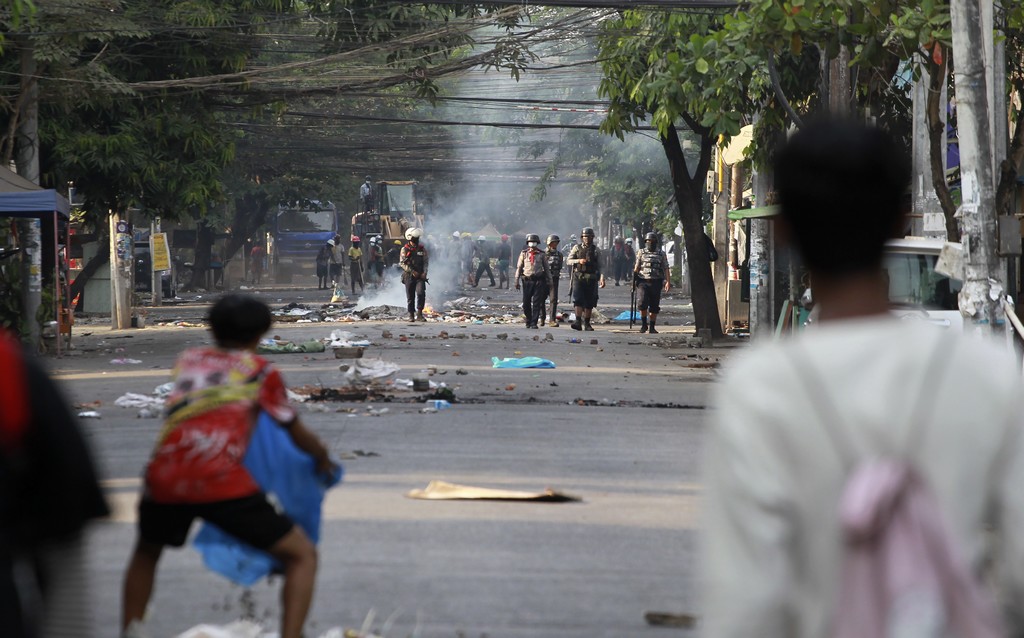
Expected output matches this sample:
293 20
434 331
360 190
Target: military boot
420 317
587 326
652 330
643 325
412 316
575 325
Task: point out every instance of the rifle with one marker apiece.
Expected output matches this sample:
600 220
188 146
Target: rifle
632 303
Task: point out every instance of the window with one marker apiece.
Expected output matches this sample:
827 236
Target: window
304 221
914 282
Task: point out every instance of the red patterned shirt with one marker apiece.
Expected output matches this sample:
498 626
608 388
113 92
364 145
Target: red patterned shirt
210 416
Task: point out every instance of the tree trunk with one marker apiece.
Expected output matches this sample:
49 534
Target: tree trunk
250 216
101 258
937 148
1008 171
688 198
204 244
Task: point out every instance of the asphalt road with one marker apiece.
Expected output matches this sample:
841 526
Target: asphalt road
618 423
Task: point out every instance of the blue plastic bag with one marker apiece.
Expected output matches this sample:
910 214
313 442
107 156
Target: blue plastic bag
525 362
289 475
624 316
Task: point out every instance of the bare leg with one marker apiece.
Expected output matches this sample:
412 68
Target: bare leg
138 581
299 557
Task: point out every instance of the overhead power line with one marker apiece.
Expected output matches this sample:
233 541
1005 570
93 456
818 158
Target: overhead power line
408 120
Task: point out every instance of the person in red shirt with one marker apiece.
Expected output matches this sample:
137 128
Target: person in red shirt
256 257
196 470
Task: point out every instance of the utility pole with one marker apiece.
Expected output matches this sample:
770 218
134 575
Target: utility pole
27 161
928 219
760 262
720 231
983 290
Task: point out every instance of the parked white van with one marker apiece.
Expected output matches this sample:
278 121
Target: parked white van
916 291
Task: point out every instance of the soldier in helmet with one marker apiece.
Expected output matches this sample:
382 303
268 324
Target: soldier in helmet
504 261
555 260
585 260
414 262
650 276
483 256
532 270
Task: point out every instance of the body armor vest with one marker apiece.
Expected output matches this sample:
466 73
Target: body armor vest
652 264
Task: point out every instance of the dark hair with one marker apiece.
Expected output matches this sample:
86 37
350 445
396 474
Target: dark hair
238 320
840 185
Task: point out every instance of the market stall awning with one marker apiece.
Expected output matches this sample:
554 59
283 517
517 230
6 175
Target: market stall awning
21 198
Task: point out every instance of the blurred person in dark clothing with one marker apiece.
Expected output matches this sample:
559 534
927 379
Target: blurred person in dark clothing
48 493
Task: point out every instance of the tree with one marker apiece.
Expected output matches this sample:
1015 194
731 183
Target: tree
658 67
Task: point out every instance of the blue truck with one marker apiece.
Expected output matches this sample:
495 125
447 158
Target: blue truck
297 233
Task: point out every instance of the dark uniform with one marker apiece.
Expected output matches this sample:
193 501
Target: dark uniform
504 261
585 282
481 253
532 270
555 262
414 262
650 272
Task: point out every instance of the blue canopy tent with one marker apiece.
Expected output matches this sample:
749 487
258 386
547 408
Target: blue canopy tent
20 198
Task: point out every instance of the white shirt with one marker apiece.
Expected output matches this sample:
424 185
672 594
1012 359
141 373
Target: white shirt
772 554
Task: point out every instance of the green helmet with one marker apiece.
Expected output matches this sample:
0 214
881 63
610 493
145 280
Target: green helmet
553 238
587 232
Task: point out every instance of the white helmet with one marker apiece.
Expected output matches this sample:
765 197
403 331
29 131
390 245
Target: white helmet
456 234
413 232
481 238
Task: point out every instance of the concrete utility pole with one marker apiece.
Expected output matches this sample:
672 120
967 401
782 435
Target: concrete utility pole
27 161
720 230
760 263
928 219
980 299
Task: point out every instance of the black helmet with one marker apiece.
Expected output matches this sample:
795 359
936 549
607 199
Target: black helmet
552 238
651 238
587 232
533 238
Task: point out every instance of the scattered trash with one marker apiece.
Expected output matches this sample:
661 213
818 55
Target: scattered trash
365 371
524 362
510 387
443 393
89 414
444 491
403 338
663 619
345 339
386 334
428 411
624 316
593 342
502 335
237 629
150 406
575 340
278 346
125 361
440 404
91 405
462 372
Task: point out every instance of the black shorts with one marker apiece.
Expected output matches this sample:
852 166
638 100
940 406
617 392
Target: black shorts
584 293
648 294
251 519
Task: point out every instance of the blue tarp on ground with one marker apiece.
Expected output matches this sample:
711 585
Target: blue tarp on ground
524 362
624 316
285 472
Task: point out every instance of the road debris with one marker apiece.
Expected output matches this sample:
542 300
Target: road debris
444 491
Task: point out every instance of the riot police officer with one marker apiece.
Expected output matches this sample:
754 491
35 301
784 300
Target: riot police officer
651 277
585 260
532 271
414 261
555 261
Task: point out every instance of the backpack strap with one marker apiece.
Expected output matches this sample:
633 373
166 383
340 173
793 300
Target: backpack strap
934 372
